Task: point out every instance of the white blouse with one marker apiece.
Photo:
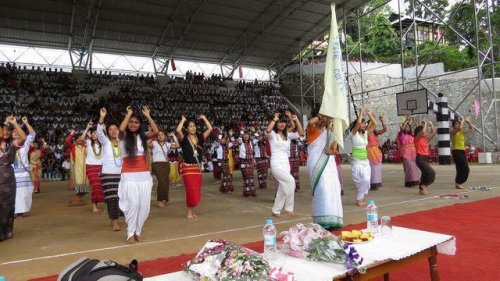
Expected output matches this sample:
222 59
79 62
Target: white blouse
280 148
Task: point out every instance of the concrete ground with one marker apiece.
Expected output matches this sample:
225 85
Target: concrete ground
54 235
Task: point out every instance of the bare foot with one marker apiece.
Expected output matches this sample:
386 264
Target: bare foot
189 217
138 238
360 203
96 210
115 226
458 186
423 190
276 215
292 214
160 204
131 240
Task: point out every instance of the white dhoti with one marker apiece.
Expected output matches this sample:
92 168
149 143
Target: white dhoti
361 175
134 192
286 187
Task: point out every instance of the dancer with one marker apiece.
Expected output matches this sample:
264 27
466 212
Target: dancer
24 191
77 149
174 176
405 142
422 159
35 156
161 167
295 163
279 139
458 150
247 165
111 167
134 189
191 143
93 166
225 145
375 156
8 147
262 163
361 173
322 167
293 154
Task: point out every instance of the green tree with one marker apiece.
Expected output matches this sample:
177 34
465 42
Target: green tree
437 6
382 39
462 20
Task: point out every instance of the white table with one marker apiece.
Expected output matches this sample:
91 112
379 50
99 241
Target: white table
381 255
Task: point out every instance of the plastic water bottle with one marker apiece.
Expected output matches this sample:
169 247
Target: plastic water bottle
2 278
372 217
269 240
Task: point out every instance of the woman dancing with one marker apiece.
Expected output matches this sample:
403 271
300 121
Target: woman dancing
8 147
279 140
24 191
361 173
93 166
111 167
191 143
134 189
375 156
247 165
405 141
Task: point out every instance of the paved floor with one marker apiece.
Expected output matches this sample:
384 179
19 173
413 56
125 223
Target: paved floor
55 235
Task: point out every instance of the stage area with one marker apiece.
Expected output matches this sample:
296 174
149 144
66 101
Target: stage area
55 235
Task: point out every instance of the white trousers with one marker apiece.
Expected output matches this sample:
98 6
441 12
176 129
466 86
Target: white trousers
361 175
135 200
286 187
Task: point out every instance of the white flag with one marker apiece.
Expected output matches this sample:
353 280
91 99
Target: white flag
334 103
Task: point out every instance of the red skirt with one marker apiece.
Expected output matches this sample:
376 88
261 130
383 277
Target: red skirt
94 176
192 182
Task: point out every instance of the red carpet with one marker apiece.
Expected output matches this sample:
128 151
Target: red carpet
478 244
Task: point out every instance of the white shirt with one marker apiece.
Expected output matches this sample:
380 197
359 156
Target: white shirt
243 151
279 147
160 152
220 148
110 164
22 165
256 148
92 158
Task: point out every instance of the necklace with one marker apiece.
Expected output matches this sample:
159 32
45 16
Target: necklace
97 154
117 153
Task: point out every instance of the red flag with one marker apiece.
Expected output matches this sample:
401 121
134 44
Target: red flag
172 62
240 71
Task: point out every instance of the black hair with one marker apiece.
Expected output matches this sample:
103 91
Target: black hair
285 131
454 122
186 124
353 124
418 130
315 112
109 125
131 139
92 142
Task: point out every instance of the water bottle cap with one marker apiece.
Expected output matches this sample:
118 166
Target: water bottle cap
268 221
371 202
2 278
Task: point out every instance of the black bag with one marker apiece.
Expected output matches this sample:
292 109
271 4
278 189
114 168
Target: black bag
86 269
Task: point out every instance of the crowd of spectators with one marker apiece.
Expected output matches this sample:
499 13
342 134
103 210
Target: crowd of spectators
55 102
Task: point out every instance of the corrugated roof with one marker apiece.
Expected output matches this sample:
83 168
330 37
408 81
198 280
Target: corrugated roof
248 32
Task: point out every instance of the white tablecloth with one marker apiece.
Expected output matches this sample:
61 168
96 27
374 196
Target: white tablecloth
403 243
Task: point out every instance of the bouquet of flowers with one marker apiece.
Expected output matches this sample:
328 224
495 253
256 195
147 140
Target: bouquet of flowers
299 237
223 260
313 242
